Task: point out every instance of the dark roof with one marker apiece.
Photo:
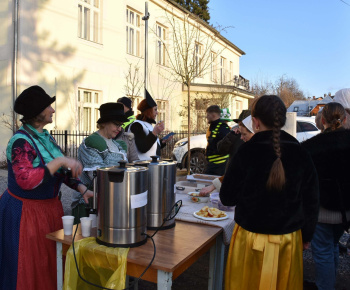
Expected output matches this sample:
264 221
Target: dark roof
211 28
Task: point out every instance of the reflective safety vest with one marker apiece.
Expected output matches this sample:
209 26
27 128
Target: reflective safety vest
131 120
216 158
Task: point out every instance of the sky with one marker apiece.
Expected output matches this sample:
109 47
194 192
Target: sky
308 40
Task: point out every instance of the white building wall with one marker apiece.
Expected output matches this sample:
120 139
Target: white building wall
53 56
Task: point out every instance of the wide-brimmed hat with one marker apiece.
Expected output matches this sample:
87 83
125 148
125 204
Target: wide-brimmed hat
112 112
32 101
125 101
248 123
225 115
244 114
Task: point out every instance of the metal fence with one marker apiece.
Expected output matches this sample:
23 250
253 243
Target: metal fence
69 141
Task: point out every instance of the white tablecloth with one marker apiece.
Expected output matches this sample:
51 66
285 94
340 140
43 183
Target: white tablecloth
188 208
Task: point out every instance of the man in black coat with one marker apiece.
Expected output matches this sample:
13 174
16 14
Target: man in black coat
217 130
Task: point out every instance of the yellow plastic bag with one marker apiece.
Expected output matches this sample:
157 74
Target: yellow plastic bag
101 265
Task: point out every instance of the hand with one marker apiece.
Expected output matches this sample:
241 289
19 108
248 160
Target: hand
206 190
74 165
158 128
306 246
87 195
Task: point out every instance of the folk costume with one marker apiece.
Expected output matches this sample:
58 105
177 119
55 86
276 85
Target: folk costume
97 151
30 208
266 246
147 143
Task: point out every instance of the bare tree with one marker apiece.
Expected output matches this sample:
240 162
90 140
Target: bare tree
134 81
288 90
189 55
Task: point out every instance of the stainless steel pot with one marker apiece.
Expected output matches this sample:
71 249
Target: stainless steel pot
122 205
161 194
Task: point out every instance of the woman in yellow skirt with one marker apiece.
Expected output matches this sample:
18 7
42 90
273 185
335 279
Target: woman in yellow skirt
273 184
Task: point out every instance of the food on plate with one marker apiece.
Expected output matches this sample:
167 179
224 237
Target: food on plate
195 199
211 212
194 194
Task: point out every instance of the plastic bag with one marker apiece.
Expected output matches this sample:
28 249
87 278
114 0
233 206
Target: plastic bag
101 265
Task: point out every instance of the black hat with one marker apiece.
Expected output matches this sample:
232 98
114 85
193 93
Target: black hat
150 102
112 112
244 114
32 101
125 101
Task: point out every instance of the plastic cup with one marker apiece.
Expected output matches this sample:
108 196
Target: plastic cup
86 224
68 224
94 219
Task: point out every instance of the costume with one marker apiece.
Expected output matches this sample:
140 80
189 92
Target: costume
330 152
217 130
94 152
30 209
147 144
129 139
267 221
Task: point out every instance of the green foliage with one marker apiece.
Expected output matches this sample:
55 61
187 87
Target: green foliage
197 7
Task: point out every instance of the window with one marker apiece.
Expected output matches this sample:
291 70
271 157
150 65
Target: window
213 67
239 107
161 107
306 127
161 45
198 60
230 72
88 113
89 19
133 32
222 70
296 109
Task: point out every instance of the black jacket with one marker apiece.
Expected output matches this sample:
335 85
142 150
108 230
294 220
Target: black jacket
229 145
261 211
213 138
330 152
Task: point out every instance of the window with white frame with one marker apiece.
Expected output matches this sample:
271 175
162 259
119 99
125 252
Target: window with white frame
88 105
230 72
161 107
89 20
135 102
133 32
213 67
222 70
198 60
239 107
161 44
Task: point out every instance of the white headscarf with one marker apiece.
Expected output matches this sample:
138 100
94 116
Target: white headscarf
248 123
342 97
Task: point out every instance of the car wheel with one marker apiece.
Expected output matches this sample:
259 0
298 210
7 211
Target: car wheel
198 162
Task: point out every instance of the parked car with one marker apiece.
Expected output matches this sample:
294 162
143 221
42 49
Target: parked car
306 128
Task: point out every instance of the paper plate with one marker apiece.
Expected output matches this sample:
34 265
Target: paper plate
208 218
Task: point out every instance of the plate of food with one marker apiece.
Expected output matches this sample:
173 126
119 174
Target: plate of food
210 214
196 198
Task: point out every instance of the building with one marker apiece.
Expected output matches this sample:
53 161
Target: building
88 52
309 107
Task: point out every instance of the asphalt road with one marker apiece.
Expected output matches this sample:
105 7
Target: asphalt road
196 276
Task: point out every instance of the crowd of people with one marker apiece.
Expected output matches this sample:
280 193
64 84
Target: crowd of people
287 195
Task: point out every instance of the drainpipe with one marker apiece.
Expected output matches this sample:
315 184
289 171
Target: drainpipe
145 18
14 63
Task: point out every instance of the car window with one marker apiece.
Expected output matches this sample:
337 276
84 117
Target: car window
306 127
298 128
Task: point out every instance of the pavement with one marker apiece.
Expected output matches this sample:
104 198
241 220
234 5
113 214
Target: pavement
196 276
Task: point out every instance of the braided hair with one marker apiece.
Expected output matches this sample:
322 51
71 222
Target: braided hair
334 115
272 113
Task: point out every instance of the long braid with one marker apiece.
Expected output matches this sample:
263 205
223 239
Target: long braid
277 177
